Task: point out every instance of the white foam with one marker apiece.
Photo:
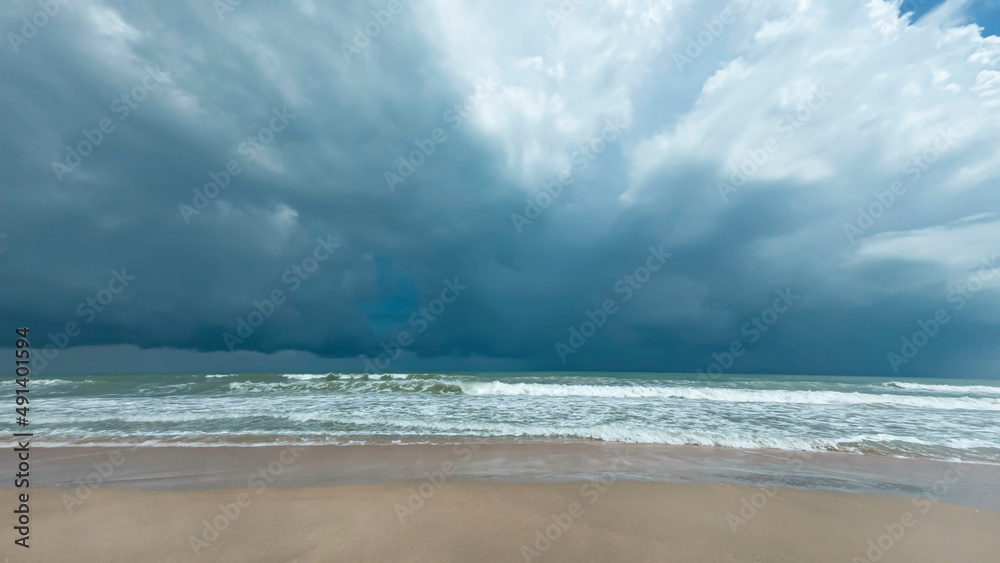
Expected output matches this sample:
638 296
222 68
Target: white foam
44 382
728 395
628 433
389 376
349 385
308 376
254 387
346 376
305 376
955 389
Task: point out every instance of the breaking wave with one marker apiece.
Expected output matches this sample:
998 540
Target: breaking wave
950 389
728 395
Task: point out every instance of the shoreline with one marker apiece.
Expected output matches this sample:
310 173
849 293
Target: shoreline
226 467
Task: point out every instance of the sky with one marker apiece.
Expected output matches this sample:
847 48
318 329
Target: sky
787 187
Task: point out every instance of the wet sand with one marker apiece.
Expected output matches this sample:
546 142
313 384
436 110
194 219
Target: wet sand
501 502
188 468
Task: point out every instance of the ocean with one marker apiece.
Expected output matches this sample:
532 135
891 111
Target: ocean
943 419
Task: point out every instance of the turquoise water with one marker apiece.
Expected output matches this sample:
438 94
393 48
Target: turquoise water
939 419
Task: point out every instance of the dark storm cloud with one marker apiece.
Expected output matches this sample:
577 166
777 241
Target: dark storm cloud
267 91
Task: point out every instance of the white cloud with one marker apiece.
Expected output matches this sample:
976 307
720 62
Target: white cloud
891 87
559 84
956 247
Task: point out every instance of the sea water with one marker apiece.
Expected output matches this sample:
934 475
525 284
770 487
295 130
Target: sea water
945 419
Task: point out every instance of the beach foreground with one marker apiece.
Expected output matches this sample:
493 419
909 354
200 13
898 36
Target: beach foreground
627 521
502 502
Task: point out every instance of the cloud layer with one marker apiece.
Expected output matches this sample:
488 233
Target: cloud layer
355 160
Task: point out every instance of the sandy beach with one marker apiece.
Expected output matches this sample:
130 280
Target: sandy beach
438 503
628 521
